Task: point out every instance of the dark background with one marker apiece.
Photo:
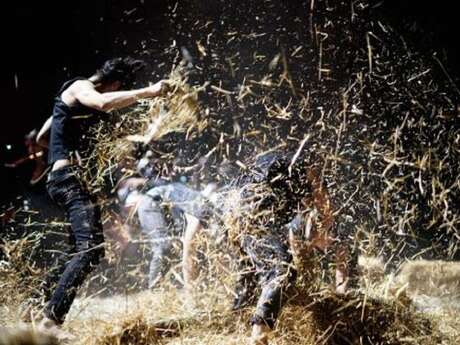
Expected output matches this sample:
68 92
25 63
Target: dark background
47 42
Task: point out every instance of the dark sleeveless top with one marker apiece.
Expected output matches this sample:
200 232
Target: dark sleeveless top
273 191
69 126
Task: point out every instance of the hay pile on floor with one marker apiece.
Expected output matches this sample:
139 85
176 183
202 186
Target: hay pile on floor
25 336
131 332
327 320
364 320
312 316
166 315
18 276
322 318
433 278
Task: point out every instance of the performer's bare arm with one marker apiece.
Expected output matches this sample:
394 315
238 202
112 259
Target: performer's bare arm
133 183
189 268
316 233
84 92
321 201
42 136
323 238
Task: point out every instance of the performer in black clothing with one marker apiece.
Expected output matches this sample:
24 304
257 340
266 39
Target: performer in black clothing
276 191
271 195
77 103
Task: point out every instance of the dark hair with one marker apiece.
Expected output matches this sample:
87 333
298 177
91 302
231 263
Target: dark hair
120 69
274 167
270 164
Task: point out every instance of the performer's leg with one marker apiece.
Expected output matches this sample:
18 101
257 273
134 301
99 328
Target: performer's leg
86 228
155 227
246 285
248 273
274 293
275 282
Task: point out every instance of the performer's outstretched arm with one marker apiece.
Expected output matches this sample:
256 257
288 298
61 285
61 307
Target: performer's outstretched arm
322 202
324 238
87 94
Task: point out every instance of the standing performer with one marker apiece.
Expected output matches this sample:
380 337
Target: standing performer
78 103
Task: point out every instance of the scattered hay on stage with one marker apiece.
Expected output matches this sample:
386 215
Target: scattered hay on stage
378 119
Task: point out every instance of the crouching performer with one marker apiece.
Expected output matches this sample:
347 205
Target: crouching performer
162 210
78 104
273 193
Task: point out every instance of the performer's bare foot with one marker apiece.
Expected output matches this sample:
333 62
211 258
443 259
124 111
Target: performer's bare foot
48 326
259 335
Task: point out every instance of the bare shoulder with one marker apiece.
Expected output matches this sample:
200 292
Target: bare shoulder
81 85
70 95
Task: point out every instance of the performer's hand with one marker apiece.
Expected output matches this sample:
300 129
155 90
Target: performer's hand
165 86
158 88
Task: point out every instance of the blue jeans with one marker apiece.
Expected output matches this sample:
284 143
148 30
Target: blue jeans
163 233
67 191
266 264
181 197
160 213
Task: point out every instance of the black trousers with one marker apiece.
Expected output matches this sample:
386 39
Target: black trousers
66 189
266 266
